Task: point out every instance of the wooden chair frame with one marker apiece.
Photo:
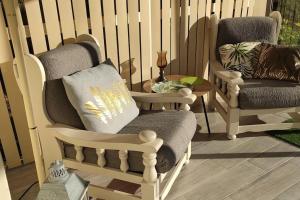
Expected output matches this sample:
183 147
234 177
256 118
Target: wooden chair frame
226 85
52 137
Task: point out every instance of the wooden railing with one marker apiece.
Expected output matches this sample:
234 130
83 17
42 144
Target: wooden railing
130 33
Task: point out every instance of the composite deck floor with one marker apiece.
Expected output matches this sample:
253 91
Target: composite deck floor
255 166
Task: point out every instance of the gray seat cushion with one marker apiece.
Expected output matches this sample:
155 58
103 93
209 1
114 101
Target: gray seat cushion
176 128
264 94
246 29
60 62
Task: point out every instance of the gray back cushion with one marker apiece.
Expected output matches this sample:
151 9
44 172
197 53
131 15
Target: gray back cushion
60 62
246 29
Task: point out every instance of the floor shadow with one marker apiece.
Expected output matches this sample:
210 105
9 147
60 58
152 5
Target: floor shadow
202 137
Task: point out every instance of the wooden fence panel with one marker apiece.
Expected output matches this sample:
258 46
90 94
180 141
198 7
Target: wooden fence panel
7 135
110 31
251 8
184 32
166 31
36 26
155 35
175 36
52 23
200 37
124 59
192 38
238 8
97 24
146 51
6 54
205 61
227 9
134 39
216 7
245 8
80 17
260 7
17 108
66 19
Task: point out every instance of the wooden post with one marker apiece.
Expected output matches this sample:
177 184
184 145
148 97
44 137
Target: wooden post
11 8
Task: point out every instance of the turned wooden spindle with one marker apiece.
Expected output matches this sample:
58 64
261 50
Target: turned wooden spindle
149 159
79 153
233 92
123 155
101 157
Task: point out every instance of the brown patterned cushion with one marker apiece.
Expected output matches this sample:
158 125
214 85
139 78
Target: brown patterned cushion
278 63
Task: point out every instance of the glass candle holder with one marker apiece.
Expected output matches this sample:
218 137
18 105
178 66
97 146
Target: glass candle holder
162 64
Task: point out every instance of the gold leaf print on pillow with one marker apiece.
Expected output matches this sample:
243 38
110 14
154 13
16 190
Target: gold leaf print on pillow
109 102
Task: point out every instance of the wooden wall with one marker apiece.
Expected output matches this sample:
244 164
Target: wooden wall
130 32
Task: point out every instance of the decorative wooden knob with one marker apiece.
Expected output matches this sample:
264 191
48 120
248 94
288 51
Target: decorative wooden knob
147 136
235 74
185 92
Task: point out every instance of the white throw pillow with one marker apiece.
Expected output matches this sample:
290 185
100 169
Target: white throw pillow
101 99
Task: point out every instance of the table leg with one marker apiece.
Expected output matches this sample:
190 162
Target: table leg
205 113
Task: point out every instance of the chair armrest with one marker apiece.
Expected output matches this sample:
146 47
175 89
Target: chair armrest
146 141
231 77
184 96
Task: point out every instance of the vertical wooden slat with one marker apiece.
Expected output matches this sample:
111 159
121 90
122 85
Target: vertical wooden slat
36 26
5 49
184 36
4 189
200 37
123 40
175 32
133 15
52 23
216 7
97 23
238 8
66 19
166 34
227 8
155 35
251 7
145 39
17 107
110 30
80 17
192 37
260 8
245 8
205 61
7 135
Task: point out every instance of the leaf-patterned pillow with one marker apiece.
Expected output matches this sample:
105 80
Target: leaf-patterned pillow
278 62
240 57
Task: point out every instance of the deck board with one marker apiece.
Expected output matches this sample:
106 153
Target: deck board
255 166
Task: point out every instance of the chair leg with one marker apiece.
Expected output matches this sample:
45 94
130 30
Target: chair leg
150 191
188 153
232 124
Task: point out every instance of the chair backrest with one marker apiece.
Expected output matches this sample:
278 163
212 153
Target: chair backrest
247 29
62 61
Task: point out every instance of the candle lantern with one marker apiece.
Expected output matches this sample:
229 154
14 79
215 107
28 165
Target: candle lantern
62 185
162 64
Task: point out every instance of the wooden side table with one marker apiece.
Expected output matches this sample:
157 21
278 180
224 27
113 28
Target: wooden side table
199 91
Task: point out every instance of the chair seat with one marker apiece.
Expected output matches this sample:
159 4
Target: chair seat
265 94
176 128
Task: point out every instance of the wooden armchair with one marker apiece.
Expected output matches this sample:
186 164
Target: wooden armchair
88 151
245 97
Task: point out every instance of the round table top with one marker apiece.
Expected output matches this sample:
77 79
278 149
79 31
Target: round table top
198 90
